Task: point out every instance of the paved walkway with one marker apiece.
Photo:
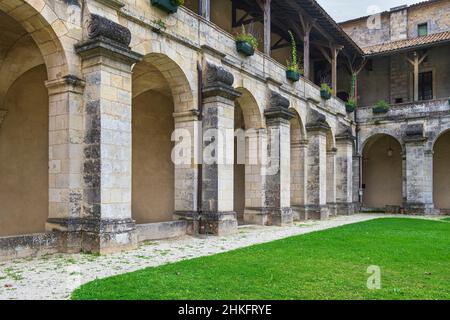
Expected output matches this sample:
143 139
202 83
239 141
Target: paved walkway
56 276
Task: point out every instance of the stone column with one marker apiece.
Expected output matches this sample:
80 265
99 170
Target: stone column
66 138
298 179
344 173
106 66
187 157
277 173
217 216
418 172
317 170
331 181
254 180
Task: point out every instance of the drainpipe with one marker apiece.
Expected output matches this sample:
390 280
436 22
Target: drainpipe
200 164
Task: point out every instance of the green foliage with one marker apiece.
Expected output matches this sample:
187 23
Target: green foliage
381 107
247 37
294 63
382 104
332 264
351 102
326 88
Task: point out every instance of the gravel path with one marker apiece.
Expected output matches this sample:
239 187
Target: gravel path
56 276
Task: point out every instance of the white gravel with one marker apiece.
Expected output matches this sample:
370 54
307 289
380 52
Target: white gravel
56 276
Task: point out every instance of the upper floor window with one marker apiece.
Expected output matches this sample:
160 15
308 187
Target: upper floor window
422 29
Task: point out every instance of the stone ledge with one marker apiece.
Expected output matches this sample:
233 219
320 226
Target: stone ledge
162 230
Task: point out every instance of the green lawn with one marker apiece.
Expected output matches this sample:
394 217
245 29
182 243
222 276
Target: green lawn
414 256
446 219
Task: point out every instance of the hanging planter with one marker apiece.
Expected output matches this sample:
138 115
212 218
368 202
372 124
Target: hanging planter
294 76
245 48
381 107
246 43
169 6
325 91
293 68
350 106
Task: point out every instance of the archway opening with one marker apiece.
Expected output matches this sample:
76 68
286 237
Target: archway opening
298 166
382 172
24 132
441 173
331 172
152 128
247 175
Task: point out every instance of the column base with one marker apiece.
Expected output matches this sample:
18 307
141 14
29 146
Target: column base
345 208
299 212
95 235
269 216
317 212
332 209
217 223
419 209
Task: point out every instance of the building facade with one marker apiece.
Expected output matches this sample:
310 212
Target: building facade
121 122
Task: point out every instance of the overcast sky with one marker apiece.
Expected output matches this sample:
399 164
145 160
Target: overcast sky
342 10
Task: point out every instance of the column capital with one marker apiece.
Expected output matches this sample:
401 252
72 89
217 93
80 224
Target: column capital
278 109
107 38
186 116
414 134
219 83
68 83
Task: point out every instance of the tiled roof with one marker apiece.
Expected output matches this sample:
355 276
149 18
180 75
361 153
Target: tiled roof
388 47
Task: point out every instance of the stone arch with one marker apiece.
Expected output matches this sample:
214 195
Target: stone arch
441 172
176 76
253 118
298 165
382 171
378 131
248 126
160 90
45 27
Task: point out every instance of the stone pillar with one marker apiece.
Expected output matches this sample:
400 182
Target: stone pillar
254 180
331 181
344 174
317 170
106 66
66 138
418 172
298 179
277 173
187 137
217 216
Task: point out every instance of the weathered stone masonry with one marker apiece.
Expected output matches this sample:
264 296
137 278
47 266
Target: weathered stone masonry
91 54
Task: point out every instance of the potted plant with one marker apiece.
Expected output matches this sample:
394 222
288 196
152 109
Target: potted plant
293 72
325 91
169 6
246 43
381 107
350 105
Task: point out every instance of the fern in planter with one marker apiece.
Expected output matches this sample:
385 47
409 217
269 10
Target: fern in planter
169 6
293 71
325 91
246 43
381 107
350 105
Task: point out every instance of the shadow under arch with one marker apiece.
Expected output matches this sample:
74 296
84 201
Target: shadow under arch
441 172
382 172
160 90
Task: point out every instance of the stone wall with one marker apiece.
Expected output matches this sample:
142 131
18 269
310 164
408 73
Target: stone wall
399 24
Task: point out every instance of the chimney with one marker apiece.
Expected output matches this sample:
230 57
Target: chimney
399 23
